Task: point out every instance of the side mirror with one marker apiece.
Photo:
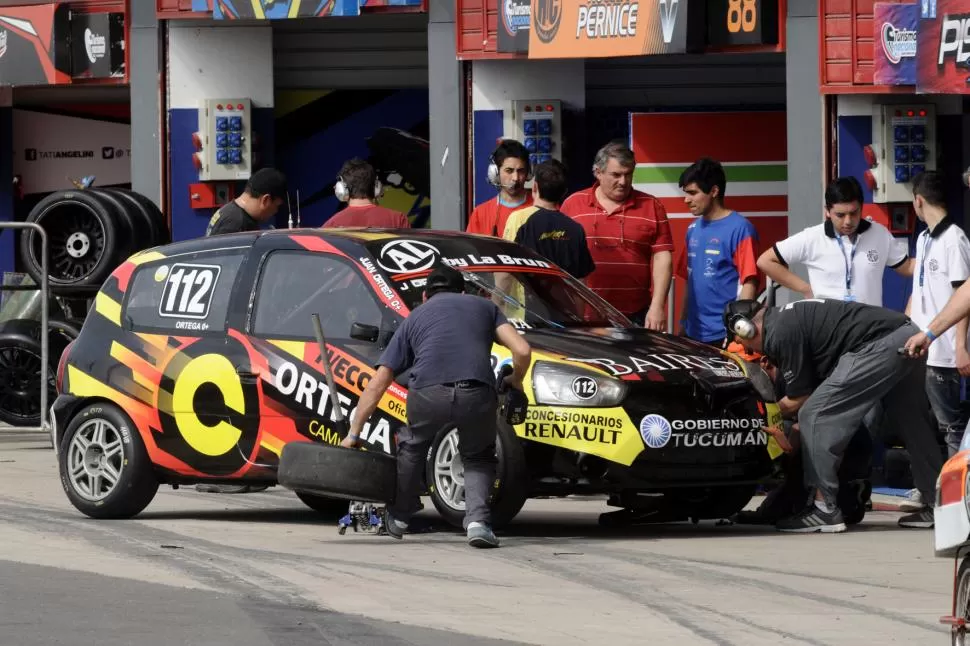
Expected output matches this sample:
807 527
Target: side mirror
364 332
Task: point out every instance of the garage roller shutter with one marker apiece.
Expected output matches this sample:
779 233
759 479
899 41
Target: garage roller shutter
365 52
679 81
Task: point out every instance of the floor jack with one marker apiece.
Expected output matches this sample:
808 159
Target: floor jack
365 517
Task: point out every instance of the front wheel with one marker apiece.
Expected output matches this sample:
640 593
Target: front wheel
445 475
104 468
961 608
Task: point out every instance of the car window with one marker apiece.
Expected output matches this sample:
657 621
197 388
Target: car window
294 285
184 294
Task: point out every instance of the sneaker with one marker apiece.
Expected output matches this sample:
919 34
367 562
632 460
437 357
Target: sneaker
812 519
922 519
393 528
912 502
480 535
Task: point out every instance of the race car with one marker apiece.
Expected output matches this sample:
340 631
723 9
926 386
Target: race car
199 363
951 535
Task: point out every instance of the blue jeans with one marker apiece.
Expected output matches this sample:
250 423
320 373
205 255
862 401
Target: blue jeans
943 391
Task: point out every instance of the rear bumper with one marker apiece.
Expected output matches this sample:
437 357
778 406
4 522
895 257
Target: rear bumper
60 415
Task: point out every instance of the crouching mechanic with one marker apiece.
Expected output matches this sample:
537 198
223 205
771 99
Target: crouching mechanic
447 345
839 359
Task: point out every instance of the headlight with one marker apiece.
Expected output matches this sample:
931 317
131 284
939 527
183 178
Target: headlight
556 384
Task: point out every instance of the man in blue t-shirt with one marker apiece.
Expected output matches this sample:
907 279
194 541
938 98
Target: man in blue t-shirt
719 260
447 345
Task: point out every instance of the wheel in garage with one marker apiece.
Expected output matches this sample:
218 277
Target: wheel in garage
143 208
446 483
104 468
83 236
20 363
130 217
336 472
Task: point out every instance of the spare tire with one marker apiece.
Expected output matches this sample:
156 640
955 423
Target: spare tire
83 236
147 210
20 365
336 472
131 218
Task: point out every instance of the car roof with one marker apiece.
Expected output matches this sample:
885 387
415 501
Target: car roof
358 235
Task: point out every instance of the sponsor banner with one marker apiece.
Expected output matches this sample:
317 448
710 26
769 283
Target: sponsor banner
662 363
596 28
513 25
262 10
402 258
98 45
895 32
657 433
943 47
49 150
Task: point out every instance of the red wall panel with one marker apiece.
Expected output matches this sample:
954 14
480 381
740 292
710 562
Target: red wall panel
846 47
477 30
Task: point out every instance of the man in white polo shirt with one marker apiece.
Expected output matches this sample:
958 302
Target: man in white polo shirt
845 255
942 265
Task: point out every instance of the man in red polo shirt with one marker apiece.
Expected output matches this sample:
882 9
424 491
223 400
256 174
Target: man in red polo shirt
359 186
629 239
510 174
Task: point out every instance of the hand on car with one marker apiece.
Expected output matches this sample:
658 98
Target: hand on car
656 319
350 442
779 435
512 381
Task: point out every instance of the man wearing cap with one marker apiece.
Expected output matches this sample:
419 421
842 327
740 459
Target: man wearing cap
838 360
265 192
446 343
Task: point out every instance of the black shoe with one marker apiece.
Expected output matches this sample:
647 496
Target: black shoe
390 526
812 519
922 519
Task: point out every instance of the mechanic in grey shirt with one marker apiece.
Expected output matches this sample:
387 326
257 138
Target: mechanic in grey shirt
447 345
838 359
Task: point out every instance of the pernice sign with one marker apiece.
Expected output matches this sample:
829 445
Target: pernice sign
598 28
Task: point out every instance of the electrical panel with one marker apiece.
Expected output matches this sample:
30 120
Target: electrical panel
226 139
538 125
904 140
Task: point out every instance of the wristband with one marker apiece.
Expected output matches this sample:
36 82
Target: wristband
929 335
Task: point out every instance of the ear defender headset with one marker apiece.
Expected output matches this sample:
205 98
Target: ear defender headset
343 193
738 317
494 176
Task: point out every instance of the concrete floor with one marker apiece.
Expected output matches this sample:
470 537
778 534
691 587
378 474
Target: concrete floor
260 569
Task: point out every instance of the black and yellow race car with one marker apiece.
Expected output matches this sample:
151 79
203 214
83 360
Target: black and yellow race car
199 363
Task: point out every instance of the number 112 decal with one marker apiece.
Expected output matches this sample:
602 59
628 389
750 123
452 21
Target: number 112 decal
188 291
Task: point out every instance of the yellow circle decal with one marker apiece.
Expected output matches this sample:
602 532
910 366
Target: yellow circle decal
218 370
161 273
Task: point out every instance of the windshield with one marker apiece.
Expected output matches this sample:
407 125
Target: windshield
530 300
528 289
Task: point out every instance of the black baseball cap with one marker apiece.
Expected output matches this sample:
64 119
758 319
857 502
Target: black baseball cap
444 278
267 181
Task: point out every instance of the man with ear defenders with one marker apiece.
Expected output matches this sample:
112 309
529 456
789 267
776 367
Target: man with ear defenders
509 169
359 187
838 359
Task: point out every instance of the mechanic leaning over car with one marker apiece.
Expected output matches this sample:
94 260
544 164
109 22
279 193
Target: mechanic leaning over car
265 192
446 343
543 228
838 360
360 188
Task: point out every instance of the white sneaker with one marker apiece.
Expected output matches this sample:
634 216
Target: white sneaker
912 502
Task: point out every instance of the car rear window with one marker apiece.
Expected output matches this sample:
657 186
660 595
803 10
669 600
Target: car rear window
186 294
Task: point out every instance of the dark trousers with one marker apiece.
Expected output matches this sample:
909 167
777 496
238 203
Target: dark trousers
943 391
472 411
833 413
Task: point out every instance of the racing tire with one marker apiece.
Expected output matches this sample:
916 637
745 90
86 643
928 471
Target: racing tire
129 217
327 507
20 364
101 444
336 472
510 490
145 209
83 235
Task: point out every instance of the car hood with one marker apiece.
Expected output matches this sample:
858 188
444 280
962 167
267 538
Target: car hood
636 354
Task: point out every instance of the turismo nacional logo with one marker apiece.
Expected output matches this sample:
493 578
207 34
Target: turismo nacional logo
898 43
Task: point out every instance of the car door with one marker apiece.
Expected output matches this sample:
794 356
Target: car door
292 286
183 359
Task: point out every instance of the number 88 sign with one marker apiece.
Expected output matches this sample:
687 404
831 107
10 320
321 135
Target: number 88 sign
188 291
742 15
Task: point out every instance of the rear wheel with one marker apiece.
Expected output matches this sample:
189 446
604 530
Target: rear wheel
445 475
104 468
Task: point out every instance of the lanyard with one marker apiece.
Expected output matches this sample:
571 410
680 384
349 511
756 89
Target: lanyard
922 264
848 261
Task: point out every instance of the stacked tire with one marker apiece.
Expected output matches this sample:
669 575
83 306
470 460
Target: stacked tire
89 233
20 366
